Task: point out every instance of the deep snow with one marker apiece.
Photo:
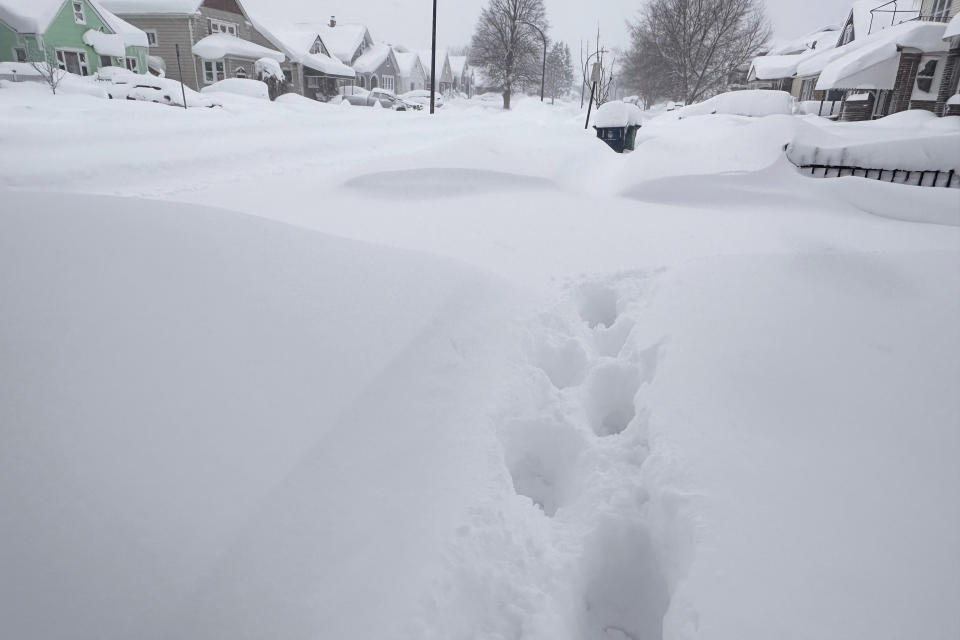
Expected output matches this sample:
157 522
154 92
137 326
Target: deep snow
533 390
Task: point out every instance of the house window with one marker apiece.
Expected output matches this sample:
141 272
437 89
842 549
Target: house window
221 26
374 82
927 79
388 83
73 62
151 37
941 10
106 61
240 72
363 82
78 15
132 65
847 35
313 82
318 47
20 54
213 71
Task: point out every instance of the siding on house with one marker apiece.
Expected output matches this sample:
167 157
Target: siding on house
171 30
65 33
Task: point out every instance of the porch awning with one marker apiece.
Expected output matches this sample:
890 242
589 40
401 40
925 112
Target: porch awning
327 66
873 67
105 44
220 45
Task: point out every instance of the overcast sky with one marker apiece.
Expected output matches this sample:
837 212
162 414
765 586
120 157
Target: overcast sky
407 22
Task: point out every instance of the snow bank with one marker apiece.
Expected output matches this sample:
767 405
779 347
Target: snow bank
939 152
741 103
241 87
220 45
222 412
618 114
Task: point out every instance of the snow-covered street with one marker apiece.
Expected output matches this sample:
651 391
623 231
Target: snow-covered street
292 370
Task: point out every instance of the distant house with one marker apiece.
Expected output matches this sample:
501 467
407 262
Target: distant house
412 75
81 36
950 87
347 42
377 68
216 38
461 74
776 69
444 72
314 72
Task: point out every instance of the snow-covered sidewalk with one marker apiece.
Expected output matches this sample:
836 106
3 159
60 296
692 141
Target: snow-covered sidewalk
295 371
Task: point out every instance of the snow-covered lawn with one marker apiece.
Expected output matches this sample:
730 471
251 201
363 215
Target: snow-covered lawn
293 370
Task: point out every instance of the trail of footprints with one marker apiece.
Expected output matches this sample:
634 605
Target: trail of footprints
576 443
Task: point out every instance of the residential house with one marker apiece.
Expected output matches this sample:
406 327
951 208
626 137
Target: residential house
314 72
445 73
462 75
378 68
889 57
950 87
347 42
216 39
412 75
776 69
79 36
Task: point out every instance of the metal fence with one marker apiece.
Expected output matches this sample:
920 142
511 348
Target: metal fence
946 179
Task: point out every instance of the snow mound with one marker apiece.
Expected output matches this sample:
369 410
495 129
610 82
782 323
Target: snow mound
754 103
241 87
417 184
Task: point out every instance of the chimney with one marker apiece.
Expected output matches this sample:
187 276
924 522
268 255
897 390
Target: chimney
333 21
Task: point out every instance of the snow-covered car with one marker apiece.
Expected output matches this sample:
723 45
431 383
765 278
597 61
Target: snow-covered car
387 99
123 84
422 97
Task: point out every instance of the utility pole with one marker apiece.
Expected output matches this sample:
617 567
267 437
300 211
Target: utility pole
183 91
543 76
433 63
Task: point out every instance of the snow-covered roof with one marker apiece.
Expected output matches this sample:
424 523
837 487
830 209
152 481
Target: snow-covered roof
458 64
296 43
220 45
372 58
327 65
872 62
953 28
776 67
132 36
343 40
30 16
407 61
425 59
819 39
188 7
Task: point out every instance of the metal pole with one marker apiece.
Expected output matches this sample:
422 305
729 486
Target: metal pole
183 91
433 63
593 87
543 76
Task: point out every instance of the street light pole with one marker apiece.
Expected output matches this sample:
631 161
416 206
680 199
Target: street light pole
543 76
433 63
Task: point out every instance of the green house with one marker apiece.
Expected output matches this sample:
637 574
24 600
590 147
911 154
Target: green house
79 35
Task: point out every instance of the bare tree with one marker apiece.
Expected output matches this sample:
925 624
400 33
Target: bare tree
506 48
49 69
560 76
688 48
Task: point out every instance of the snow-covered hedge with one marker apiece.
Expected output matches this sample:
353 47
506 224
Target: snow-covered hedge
240 86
